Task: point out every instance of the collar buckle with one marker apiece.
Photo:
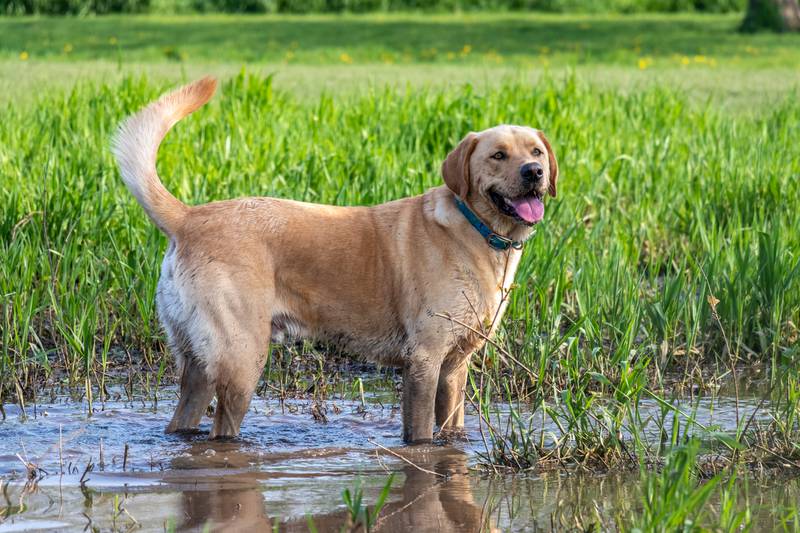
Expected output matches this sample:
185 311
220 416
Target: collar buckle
498 242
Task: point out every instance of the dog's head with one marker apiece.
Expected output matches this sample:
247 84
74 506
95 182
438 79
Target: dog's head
503 173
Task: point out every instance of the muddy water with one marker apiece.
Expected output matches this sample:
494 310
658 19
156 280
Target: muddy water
288 467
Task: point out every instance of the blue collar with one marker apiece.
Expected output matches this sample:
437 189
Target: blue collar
498 242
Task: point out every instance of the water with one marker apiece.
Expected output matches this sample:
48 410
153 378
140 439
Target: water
288 467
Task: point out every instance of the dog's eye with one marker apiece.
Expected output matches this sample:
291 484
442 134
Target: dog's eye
536 151
499 155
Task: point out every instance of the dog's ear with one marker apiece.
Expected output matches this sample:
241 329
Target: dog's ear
455 169
553 164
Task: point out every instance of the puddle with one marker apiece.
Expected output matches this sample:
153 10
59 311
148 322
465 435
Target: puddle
288 467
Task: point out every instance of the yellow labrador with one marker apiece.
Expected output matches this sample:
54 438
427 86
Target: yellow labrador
415 283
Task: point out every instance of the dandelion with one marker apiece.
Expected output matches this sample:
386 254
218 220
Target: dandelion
685 60
466 50
112 41
644 62
699 59
491 55
450 56
67 48
23 55
345 58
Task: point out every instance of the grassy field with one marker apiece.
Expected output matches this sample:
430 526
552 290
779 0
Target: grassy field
668 265
468 38
702 55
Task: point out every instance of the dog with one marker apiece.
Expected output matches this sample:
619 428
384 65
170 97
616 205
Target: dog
418 283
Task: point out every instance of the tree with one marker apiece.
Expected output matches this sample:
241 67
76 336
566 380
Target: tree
775 15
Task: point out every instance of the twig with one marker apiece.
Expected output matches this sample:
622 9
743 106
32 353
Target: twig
403 508
384 448
712 302
502 350
30 467
779 456
60 450
122 508
89 468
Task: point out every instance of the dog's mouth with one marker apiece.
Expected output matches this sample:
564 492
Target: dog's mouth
527 209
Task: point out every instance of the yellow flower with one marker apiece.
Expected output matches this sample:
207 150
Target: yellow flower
112 41
344 58
23 55
699 59
67 48
645 62
466 50
685 60
491 55
451 56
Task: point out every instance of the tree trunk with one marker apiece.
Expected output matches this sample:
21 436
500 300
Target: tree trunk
775 15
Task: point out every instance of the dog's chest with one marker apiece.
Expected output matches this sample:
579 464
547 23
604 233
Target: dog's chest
483 296
505 270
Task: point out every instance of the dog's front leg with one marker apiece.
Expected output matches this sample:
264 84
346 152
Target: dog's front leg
420 379
450 393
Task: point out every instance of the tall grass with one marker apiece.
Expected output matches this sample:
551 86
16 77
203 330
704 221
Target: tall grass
664 209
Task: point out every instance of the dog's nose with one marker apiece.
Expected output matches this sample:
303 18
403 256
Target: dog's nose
531 171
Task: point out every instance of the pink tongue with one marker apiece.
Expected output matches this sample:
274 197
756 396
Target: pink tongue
529 209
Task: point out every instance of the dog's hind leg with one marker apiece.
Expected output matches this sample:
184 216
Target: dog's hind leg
236 382
240 348
197 390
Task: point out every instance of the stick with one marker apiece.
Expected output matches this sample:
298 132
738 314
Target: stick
502 350
384 448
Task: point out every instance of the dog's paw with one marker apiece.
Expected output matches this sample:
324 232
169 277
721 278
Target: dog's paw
450 435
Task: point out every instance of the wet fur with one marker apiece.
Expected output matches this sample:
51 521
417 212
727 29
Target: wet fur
372 280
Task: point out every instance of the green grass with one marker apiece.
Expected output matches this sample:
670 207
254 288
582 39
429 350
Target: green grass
702 55
532 39
670 259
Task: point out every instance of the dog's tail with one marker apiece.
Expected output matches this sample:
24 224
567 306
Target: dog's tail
136 144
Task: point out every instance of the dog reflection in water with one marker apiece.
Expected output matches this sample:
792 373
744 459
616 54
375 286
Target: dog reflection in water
236 501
